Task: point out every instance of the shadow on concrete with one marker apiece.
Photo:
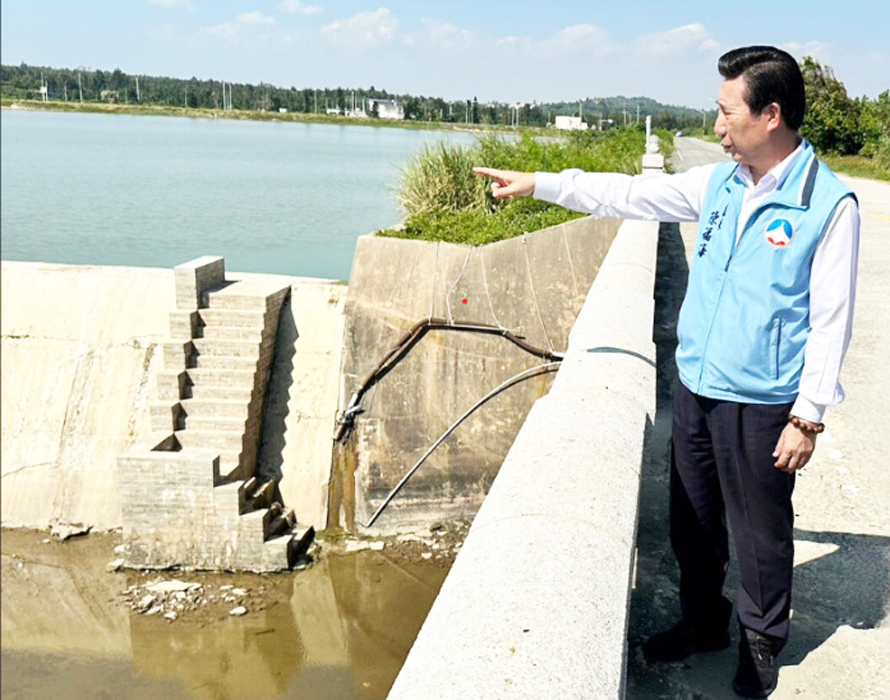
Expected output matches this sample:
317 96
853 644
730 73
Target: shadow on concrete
652 603
271 452
844 581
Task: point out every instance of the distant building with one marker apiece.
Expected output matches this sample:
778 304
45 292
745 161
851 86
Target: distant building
387 109
570 123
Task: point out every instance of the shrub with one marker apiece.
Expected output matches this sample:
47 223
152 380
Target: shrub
443 200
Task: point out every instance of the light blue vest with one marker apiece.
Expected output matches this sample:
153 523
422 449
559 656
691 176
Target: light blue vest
744 323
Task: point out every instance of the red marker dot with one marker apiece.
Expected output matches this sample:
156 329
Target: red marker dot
464 301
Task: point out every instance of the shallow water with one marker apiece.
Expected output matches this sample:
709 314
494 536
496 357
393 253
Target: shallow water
339 630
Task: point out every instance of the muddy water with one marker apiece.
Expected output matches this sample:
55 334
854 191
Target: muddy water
339 630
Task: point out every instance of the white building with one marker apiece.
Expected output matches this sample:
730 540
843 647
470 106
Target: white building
387 109
570 123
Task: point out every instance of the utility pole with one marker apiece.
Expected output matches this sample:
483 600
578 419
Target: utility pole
138 98
80 84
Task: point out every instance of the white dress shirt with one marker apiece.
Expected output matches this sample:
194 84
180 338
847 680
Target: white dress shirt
680 197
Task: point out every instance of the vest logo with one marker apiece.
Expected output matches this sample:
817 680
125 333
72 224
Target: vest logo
779 232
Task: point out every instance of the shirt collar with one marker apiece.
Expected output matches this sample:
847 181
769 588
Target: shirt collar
776 176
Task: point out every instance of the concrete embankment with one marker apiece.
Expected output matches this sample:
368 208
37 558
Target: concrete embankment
81 350
531 286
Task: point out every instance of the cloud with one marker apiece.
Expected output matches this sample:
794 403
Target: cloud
246 21
173 4
444 35
580 37
296 7
364 29
688 37
816 49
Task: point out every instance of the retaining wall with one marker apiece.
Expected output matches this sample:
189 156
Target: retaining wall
536 603
533 286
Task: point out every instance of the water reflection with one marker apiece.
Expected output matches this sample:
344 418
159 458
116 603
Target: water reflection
340 630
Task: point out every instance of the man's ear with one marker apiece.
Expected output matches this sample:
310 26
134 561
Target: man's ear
773 114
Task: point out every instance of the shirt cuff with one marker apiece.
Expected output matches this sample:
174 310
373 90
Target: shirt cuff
806 409
547 187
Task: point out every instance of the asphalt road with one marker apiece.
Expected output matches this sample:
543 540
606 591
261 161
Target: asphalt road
840 640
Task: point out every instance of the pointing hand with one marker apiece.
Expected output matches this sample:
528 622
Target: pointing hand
508 183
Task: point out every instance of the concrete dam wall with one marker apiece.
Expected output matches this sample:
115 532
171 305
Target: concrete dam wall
532 286
81 351
82 348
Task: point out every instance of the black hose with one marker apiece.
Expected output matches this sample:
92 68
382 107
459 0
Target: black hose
403 347
527 374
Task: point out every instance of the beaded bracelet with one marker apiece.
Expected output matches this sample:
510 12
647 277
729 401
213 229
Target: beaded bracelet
805 425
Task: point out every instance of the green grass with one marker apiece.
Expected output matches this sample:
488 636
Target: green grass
442 200
858 166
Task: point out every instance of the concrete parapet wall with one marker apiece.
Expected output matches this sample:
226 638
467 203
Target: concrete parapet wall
532 286
536 603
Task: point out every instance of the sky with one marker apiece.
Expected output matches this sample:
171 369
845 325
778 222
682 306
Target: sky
514 51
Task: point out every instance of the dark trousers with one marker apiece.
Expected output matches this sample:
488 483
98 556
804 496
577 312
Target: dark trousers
722 467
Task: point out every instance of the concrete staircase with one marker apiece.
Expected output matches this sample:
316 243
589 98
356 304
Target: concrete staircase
214 511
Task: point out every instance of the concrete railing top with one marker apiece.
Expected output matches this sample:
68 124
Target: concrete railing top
536 604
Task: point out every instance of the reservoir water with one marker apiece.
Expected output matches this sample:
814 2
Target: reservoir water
277 197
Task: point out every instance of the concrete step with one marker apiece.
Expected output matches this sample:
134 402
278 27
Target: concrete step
300 539
215 440
225 362
251 334
214 408
229 499
259 494
235 297
283 520
165 416
252 526
172 384
221 377
230 348
229 393
232 318
219 423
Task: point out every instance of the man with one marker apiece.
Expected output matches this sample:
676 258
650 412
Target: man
762 335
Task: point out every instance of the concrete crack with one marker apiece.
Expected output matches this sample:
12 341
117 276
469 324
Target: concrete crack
29 466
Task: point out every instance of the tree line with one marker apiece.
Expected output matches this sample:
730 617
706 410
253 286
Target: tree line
86 85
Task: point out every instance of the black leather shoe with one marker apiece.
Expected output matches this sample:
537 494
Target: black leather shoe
758 673
682 640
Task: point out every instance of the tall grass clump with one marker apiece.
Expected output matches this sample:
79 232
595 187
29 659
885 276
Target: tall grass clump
443 200
440 179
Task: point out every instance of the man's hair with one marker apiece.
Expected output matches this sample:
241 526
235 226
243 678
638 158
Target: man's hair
771 75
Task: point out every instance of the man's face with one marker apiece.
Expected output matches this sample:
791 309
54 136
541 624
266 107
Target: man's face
743 134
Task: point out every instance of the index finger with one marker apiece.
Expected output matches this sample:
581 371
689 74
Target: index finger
490 172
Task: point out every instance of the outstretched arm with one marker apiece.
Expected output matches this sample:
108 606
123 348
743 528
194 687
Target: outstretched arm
508 183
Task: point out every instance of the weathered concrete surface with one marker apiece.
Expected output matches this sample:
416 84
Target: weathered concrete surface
536 604
80 351
532 286
840 637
